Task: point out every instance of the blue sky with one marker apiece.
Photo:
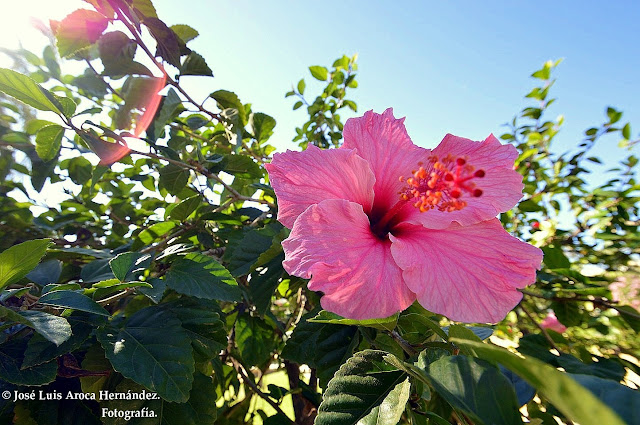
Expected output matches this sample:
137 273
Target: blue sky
460 67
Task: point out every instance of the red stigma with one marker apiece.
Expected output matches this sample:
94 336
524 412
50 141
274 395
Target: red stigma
441 184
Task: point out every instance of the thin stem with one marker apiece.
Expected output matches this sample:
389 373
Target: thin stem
408 348
240 369
544 331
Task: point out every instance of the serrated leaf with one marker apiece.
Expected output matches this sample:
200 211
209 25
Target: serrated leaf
54 328
184 209
79 30
128 264
154 350
39 350
201 319
117 51
168 45
74 300
11 355
194 64
26 90
20 259
391 408
155 293
227 99
48 140
576 402
202 277
262 125
319 72
185 32
254 339
359 386
246 252
173 178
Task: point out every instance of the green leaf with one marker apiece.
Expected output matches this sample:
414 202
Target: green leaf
153 350
359 386
227 99
388 323
242 166
184 209
416 325
68 105
554 258
322 346
246 252
319 72
54 328
391 408
463 382
173 178
301 86
153 233
80 170
168 44
11 356
74 300
48 140
201 319
117 51
622 400
79 30
26 90
568 313
263 284
194 64
626 131
262 125
170 109
185 32
46 272
39 350
254 339
20 259
202 277
576 402
156 292
127 264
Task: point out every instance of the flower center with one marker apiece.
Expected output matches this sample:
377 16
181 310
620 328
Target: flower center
437 184
441 183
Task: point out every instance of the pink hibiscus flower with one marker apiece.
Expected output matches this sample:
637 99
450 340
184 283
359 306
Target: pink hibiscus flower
552 322
381 222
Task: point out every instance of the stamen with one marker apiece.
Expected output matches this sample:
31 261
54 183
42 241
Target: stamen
441 184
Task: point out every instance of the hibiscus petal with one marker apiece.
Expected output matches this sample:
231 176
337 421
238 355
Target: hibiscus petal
305 178
383 141
501 185
469 274
331 243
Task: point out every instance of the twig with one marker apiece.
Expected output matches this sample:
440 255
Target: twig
544 331
403 343
240 369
